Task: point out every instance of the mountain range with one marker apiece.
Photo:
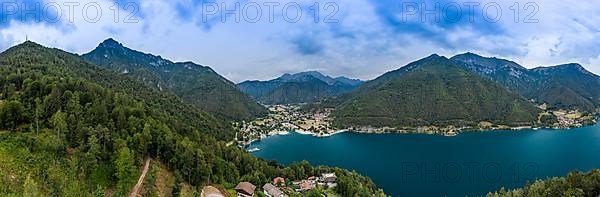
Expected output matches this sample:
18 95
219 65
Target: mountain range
464 90
196 84
58 63
70 127
562 86
304 87
433 91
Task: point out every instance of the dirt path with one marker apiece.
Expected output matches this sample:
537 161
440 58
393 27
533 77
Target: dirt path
136 188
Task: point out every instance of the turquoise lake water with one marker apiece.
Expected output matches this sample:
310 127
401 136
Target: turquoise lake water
470 164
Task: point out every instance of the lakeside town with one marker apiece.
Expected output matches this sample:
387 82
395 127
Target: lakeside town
283 119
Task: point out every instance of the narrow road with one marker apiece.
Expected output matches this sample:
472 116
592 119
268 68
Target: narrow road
136 188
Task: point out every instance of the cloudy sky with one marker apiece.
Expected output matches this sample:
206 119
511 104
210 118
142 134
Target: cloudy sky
262 39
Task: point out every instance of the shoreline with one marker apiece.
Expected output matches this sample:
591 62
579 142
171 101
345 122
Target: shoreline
459 131
417 130
302 132
384 130
452 131
516 129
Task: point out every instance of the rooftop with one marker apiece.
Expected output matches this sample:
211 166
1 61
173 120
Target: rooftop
272 190
245 187
210 191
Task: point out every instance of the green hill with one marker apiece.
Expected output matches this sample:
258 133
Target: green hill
562 86
305 87
568 86
70 128
57 63
196 84
432 91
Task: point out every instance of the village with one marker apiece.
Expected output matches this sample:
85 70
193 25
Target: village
572 119
285 118
276 188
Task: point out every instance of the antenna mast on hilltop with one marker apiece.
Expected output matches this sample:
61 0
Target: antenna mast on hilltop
26 38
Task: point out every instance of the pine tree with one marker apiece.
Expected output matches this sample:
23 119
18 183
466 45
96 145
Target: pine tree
59 123
38 113
124 170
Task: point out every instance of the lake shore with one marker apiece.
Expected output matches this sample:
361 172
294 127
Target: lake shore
387 130
284 119
449 132
456 131
385 157
319 134
421 130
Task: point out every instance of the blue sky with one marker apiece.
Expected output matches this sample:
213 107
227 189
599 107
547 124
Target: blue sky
355 38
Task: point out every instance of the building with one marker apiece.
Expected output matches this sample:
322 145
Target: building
210 191
328 177
279 181
272 191
306 185
245 189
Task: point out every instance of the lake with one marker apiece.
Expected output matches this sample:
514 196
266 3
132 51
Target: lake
471 163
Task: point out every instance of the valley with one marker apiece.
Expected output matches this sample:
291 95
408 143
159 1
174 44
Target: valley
303 87
99 120
358 98
433 95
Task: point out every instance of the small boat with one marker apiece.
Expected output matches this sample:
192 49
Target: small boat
253 150
450 134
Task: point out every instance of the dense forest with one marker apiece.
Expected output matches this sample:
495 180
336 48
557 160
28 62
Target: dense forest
68 128
433 91
575 184
198 85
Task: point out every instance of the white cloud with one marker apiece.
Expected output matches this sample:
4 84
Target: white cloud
360 45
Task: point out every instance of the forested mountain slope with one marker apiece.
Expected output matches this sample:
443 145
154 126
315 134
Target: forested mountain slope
69 128
562 86
196 84
433 91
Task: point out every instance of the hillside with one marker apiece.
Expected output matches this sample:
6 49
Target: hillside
195 84
567 86
563 86
302 87
574 184
432 91
69 128
57 63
